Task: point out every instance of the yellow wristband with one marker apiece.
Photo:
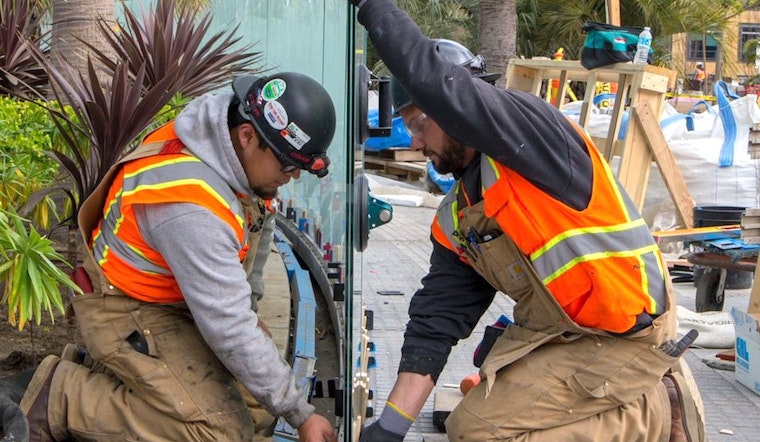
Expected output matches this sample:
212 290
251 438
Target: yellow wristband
399 410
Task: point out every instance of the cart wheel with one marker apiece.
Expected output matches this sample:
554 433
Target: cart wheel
708 298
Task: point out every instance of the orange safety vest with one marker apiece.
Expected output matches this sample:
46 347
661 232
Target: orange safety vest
601 264
169 177
699 75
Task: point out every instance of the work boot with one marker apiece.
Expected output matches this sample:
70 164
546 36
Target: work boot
74 354
686 423
35 401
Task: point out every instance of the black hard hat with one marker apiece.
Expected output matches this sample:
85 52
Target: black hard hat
293 114
452 52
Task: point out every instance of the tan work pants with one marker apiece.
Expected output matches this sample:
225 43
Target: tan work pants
179 391
590 389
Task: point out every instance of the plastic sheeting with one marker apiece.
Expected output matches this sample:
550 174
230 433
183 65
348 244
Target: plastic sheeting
712 158
709 144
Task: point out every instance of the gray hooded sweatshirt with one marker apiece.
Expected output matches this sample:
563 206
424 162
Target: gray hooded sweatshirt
202 252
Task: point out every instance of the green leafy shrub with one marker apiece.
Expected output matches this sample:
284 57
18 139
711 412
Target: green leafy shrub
26 133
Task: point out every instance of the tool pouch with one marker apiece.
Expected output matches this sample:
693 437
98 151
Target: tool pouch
607 44
489 339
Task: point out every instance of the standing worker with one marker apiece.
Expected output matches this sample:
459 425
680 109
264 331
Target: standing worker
538 215
169 232
698 78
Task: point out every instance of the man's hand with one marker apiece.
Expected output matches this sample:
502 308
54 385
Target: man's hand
316 429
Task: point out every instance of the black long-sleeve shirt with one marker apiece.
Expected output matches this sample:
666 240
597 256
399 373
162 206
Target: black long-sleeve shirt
517 129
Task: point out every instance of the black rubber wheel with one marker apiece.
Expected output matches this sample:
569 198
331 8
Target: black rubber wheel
708 298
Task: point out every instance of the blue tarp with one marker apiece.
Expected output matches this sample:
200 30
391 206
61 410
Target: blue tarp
398 137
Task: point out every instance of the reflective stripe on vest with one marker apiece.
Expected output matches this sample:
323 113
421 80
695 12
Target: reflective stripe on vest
121 251
581 256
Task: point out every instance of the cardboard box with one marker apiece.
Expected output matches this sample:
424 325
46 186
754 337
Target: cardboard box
747 326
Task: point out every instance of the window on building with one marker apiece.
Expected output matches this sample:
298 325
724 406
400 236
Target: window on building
695 47
747 32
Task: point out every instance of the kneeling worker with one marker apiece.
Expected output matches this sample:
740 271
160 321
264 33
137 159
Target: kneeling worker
169 314
538 215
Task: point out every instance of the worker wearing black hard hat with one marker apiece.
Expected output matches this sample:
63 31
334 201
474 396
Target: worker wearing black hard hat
174 345
536 214
297 126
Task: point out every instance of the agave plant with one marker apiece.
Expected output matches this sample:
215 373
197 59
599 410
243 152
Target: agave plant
19 24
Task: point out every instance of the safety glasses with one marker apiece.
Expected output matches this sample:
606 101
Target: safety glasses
315 164
288 169
417 125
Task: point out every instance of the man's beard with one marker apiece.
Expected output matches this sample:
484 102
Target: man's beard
451 160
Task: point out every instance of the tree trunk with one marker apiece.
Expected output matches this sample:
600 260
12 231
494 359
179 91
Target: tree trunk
78 18
497 34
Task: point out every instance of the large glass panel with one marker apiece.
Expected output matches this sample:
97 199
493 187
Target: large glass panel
311 37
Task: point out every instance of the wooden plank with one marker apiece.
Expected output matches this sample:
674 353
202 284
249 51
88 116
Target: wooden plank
754 295
398 154
621 96
612 7
588 100
520 77
636 161
274 306
562 92
522 73
697 233
411 166
671 175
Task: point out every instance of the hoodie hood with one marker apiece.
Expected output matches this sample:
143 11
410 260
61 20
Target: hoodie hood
202 127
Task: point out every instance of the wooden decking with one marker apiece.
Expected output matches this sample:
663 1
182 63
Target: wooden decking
274 307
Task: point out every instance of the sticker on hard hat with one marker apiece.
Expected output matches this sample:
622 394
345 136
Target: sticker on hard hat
295 136
273 89
276 115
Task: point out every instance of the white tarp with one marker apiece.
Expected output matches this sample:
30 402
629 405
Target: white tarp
718 132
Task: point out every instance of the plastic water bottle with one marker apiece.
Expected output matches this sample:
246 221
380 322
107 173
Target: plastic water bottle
642 47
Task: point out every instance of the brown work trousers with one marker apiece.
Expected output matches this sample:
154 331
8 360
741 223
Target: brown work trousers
179 391
544 397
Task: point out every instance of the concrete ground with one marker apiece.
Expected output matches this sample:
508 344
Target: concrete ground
397 258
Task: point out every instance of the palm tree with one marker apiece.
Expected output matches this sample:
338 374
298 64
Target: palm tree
497 34
75 22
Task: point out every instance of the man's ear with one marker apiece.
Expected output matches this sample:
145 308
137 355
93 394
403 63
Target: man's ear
246 134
